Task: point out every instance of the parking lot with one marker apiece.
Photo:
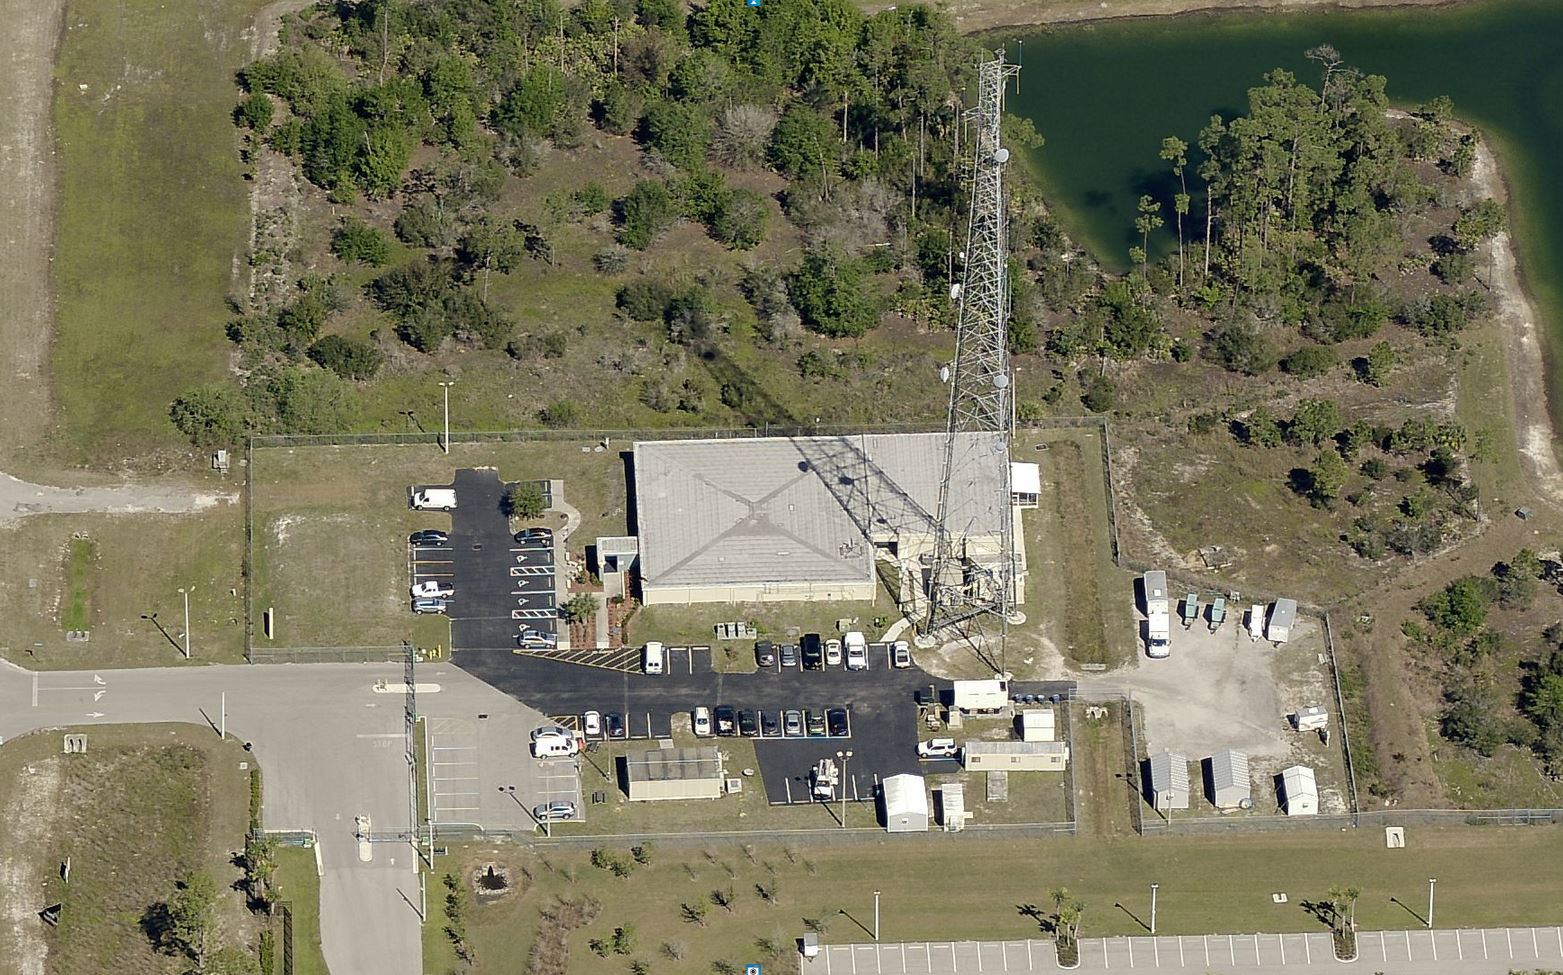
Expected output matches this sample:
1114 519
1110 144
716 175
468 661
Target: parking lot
479 770
501 585
880 704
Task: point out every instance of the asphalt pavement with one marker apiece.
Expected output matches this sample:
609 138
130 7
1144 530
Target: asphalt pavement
331 743
501 585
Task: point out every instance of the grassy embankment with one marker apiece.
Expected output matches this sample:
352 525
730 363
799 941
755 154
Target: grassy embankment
153 220
1485 877
144 807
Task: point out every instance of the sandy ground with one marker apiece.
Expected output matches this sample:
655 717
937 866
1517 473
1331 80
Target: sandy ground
22 946
972 16
19 498
27 194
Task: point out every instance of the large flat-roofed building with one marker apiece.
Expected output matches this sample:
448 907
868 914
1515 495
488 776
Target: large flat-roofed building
802 518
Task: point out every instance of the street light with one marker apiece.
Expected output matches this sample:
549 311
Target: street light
845 757
1153 907
186 594
1430 882
445 386
510 790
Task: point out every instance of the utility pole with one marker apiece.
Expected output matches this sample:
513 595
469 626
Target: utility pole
186 594
445 386
1430 882
1153 907
876 916
222 731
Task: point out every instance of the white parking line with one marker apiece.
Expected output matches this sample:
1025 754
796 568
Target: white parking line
1206 939
1432 939
1509 936
1308 949
1281 938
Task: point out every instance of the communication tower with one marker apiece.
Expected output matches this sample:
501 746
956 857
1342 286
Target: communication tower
968 581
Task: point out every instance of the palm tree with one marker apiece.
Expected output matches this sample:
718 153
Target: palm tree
1334 898
1351 894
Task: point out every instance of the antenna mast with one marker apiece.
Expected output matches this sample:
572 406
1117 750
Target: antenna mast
968 580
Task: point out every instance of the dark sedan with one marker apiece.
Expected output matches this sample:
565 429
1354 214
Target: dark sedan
614 722
836 722
769 726
789 655
428 537
764 655
746 724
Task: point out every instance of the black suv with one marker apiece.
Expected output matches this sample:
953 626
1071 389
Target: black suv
813 652
764 655
746 724
428 537
836 722
726 720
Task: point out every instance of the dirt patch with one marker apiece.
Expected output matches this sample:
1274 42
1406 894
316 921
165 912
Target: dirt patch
28 816
27 198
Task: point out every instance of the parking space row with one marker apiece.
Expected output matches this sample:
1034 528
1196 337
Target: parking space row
1456 951
821 724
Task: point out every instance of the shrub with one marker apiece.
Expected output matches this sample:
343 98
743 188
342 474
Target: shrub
348 358
646 300
212 416
357 241
1099 395
254 112
525 500
1310 361
559 414
645 213
832 294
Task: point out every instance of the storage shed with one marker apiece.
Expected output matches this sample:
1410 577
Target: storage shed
952 806
1228 780
1299 791
1311 718
1038 724
674 773
1015 756
905 802
1169 781
1283 616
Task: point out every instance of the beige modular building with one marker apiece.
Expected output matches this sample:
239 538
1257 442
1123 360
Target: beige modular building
674 773
763 519
1015 756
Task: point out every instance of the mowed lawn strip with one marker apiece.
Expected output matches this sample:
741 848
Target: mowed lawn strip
331 526
138 564
144 807
298 884
154 217
1485 877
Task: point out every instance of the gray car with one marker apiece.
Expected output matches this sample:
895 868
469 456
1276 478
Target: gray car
792 724
553 811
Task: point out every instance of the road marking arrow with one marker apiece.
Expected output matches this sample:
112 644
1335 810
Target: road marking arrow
96 679
98 695
94 714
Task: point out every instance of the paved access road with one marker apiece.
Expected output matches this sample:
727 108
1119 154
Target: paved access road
1494 951
332 748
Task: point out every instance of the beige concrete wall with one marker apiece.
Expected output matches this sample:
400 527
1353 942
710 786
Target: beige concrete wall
759 593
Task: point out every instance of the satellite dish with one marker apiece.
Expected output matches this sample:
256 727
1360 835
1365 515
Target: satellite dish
1001 156
955 292
1245 804
1001 381
944 374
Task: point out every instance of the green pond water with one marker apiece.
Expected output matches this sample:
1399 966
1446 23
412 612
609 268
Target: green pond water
1104 96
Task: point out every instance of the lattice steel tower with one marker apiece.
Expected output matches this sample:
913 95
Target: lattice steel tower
968 581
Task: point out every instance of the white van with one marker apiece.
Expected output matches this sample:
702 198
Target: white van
654 660
555 746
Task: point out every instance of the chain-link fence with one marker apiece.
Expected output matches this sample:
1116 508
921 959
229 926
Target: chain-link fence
1200 825
327 655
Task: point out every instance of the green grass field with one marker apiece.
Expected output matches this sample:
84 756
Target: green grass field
122 568
299 885
153 220
1485 877
144 807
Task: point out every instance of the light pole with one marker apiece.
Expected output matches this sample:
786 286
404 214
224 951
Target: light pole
1153 907
1430 882
186 594
845 757
876 916
445 387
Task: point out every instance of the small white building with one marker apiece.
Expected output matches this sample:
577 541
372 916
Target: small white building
952 806
1299 791
1025 484
1283 616
1230 784
905 803
1169 781
1038 724
1015 756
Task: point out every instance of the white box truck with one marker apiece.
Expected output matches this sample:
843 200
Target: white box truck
436 499
1158 615
980 695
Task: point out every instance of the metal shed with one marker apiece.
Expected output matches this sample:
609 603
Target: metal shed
1299 791
1283 616
1169 781
1038 724
906 803
674 773
1229 784
1015 756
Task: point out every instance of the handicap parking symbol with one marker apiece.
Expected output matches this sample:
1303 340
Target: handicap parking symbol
752 969
753 3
